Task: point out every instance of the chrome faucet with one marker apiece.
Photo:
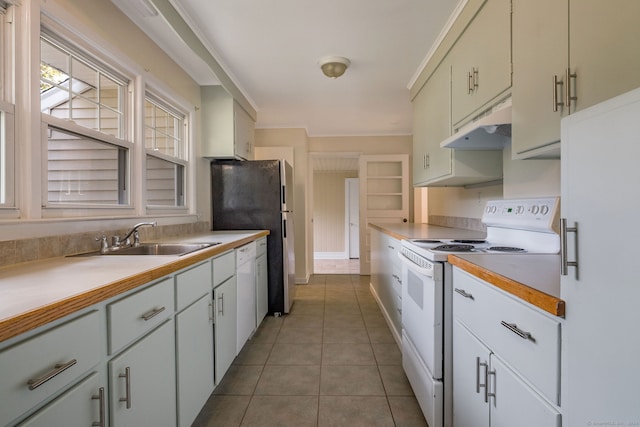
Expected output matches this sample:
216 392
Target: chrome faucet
118 242
136 236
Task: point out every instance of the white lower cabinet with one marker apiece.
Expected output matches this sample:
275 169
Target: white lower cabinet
194 358
148 357
262 288
82 405
37 369
143 382
246 293
385 279
505 359
224 297
488 393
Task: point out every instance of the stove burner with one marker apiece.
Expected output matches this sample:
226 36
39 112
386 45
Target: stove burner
454 248
505 249
426 241
476 241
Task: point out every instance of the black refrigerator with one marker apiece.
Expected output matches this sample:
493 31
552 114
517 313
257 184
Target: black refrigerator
258 195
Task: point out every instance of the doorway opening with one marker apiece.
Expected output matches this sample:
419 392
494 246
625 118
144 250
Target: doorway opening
336 247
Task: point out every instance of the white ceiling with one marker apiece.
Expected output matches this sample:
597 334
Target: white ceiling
270 49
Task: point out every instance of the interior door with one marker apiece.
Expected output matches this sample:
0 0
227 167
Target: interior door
353 217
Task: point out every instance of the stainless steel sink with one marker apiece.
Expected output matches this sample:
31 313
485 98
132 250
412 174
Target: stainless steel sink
153 249
162 249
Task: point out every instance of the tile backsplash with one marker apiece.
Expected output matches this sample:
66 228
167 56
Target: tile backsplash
18 251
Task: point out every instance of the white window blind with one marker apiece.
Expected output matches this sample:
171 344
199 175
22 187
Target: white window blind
166 161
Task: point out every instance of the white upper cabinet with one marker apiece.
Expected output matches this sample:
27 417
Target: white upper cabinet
481 61
474 75
568 55
227 129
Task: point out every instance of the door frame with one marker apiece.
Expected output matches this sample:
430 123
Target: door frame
351 184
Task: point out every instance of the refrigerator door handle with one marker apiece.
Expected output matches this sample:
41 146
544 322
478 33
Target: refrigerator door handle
284 228
284 198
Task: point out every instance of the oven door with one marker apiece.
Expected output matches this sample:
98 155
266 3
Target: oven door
422 311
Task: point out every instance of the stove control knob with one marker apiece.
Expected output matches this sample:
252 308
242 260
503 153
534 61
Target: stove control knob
535 209
544 209
493 209
520 210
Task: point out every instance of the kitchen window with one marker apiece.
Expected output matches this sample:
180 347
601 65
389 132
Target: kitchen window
166 154
84 128
7 159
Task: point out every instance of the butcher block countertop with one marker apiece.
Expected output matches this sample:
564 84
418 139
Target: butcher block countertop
531 277
35 293
410 230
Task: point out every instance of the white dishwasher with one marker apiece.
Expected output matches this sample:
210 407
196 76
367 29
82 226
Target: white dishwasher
245 276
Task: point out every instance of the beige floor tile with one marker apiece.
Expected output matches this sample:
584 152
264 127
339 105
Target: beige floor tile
331 362
347 354
239 380
345 335
354 411
342 320
282 411
295 335
406 412
348 380
254 353
222 411
395 381
387 354
282 380
295 354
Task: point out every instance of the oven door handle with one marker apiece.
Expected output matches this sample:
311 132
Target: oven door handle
413 266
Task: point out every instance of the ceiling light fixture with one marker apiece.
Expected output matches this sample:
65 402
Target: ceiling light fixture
334 66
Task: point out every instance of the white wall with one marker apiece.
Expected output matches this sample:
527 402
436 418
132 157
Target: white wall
522 179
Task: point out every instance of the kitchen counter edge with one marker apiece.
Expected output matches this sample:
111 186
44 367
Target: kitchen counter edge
13 326
489 269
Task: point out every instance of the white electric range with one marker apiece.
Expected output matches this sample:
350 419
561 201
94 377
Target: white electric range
527 226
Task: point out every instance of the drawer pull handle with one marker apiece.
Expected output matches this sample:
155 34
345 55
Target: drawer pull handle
57 369
127 386
151 314
478 385
221 307
464 294
100 398
514 328
488 395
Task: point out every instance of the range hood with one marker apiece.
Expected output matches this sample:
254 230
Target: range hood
491 131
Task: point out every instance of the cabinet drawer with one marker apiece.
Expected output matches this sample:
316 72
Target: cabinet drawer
75 344
224 267
192 284
136 314
79 406
525 338
261 246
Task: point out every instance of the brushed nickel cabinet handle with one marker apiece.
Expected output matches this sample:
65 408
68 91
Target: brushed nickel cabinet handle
127 385
478 385
469 82
221 305
514 328
464 294
57 369
100 398
556 83
493 394
568 96
153 313
564 260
